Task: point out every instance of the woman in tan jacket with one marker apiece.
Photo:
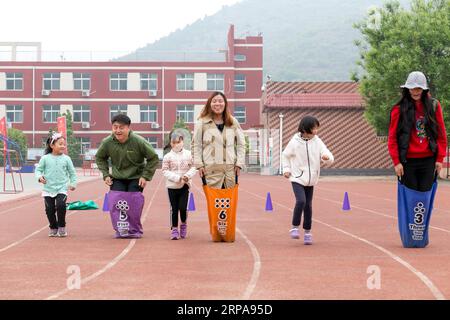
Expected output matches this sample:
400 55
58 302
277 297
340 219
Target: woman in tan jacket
218 143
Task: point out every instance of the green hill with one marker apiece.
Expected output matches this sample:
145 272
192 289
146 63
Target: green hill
304 40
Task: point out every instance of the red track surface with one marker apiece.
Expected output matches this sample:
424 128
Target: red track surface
263 263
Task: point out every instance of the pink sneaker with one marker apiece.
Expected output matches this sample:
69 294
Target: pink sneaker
183 230
174 234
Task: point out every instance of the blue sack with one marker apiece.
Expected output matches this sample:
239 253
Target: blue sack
414 213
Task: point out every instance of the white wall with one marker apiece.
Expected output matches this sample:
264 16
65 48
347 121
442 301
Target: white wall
134 113
2 80
200 82
66 81
2 111
197 110
134 81
66 107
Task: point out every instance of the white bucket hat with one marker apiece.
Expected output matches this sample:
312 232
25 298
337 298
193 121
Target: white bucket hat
416 79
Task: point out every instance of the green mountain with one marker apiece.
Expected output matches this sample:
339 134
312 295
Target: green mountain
304 40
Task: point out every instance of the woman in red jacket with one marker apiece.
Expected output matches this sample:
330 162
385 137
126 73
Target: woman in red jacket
417 138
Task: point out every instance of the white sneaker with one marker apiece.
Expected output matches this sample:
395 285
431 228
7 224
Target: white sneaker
294 233
53 233
62 232
307 239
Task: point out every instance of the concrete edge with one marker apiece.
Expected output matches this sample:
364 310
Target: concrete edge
30 194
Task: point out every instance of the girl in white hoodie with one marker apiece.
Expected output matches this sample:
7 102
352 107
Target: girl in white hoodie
178 170
302 158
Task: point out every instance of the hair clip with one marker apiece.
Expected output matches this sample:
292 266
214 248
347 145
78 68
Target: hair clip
55 136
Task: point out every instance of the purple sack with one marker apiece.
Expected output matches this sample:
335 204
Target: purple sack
125 209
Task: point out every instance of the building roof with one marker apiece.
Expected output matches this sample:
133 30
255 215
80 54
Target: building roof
273 87
311 95
320 100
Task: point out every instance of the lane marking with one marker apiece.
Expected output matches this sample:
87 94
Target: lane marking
256 267
361 208
375 197
257 264
434 290
36 194
113 262
35 233
18 207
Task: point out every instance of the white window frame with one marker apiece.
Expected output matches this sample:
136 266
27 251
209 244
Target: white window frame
121 108
240 83
213 81
51 81
122 81
185 111
85 143
240 57
16 79
154 144
150 81
185 82
16 110
82 79
53 109
240 114
82 110
151 111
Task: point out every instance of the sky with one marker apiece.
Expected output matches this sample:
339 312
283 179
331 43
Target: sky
106 26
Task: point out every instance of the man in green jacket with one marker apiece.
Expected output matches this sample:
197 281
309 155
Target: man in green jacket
127 152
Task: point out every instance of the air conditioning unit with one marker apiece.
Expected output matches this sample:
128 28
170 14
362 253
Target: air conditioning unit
154 125
85 93
152 93
45 92
85 125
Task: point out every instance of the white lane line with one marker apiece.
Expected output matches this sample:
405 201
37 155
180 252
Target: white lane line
256 267
113 262
33 234
257 264
18 207
24 239
32 195
434 290
360 208
375 197
378 213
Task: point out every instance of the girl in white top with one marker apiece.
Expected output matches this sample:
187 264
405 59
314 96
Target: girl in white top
301 164
178 170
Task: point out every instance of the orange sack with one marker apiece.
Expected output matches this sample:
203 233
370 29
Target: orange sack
222 205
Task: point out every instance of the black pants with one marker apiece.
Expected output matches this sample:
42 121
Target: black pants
303 203
419 173
126 185
178 203
55 208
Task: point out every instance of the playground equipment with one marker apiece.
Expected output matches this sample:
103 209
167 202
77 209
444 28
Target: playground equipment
11 163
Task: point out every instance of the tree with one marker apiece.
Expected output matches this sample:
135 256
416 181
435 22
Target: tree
397 41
